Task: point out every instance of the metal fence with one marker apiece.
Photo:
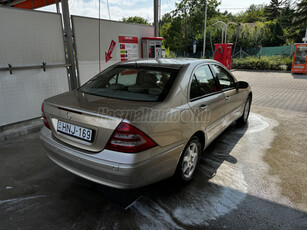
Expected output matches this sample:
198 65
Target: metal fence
287 51
244 52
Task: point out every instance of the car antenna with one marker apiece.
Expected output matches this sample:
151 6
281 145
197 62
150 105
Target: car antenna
136 65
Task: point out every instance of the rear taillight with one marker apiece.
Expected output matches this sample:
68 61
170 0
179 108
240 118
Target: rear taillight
44 117
127 138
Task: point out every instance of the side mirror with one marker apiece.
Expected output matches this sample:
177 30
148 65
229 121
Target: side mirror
241 85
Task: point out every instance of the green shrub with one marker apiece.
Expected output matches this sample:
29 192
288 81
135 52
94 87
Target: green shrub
263 63
169 53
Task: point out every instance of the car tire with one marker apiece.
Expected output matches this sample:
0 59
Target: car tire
243 119
189 160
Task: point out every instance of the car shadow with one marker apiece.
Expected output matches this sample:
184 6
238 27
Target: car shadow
299 76
212 158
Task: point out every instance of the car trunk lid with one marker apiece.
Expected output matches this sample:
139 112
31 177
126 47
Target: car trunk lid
86 112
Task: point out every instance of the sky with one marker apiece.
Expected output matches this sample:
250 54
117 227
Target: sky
142 8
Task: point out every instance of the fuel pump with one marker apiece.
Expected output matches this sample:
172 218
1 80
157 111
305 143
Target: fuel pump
152 47
223 51
299 63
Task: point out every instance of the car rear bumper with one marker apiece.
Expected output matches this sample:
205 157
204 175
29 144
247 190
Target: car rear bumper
118 174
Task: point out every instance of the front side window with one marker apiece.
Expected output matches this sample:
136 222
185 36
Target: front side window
202 82
225 79
136 84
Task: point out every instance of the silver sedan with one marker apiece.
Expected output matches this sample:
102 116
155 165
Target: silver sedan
139 122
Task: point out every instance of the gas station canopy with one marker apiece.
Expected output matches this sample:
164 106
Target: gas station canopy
27 4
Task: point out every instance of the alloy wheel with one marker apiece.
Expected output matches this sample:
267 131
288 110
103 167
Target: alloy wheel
189 161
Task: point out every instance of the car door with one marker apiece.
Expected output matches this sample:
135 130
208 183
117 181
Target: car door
233 98
206 100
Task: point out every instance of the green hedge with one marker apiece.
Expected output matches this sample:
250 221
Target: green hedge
263 63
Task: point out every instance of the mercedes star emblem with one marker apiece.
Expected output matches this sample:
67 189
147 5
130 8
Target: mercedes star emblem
68 115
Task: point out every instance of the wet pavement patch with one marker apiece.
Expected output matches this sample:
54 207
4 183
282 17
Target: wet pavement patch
217 189
122 197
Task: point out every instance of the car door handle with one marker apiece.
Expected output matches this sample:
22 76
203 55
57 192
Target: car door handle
227 98
203 107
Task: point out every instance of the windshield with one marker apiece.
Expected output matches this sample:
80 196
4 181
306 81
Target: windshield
136 84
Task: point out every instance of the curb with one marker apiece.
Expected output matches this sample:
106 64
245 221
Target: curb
13 131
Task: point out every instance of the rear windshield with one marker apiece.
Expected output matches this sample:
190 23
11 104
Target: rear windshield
135 84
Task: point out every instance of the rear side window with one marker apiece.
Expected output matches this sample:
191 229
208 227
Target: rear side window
202 82
136 84
224 78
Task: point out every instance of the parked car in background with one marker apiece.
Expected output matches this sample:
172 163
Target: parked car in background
139 122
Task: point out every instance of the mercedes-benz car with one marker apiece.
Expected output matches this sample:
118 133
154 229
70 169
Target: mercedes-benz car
139 122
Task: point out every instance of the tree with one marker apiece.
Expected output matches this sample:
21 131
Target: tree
285 20
275 34
301 12
187 24
273 10
172 32
136 19
300 20
254 13
279 23
286 15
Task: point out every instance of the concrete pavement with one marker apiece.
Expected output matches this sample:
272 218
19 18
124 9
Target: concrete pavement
277 89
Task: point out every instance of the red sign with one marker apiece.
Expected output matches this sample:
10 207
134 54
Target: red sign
128 39
111 48
33 4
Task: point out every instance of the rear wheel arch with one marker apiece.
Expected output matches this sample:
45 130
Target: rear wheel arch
201 137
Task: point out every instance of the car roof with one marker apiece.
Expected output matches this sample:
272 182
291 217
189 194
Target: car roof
171 63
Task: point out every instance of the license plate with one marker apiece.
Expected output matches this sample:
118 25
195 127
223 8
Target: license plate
74 130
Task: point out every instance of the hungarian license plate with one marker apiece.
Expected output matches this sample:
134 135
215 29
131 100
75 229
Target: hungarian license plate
74 130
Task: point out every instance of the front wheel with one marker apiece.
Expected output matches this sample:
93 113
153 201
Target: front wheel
243 119
188 162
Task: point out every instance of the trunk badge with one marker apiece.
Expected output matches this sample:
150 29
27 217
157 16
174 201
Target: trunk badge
68 115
